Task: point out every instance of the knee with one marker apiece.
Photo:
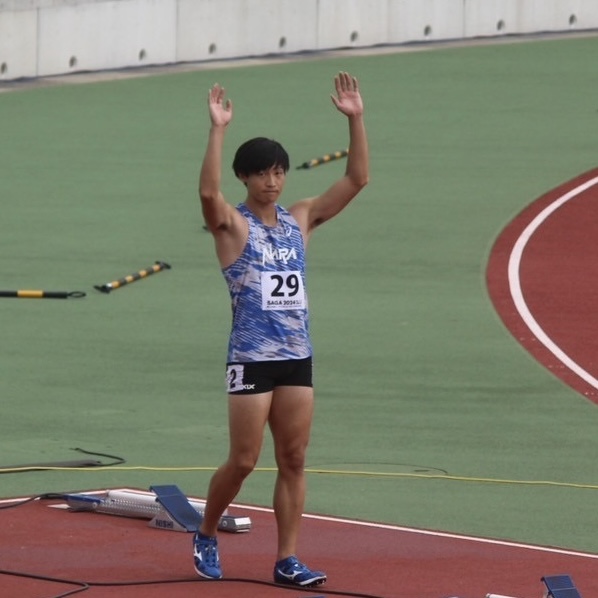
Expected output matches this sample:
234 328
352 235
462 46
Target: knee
291 462
241 466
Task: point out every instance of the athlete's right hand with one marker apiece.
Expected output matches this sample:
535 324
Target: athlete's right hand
221 110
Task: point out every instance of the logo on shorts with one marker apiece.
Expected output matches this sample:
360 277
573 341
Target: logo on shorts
234 379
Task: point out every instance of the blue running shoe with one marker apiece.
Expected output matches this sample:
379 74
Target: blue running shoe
205 556
292 572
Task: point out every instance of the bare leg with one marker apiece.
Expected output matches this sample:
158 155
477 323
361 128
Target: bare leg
248 415
290 421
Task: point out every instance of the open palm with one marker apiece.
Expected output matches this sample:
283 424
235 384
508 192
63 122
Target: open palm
348 99
221 110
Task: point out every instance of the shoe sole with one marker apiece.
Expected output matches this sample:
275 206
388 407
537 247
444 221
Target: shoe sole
306 584
205 575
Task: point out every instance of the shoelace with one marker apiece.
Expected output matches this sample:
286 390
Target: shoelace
209 553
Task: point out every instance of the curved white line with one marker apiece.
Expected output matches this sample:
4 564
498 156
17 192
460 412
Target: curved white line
515 283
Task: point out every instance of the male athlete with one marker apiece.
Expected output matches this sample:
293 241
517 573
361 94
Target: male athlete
261 249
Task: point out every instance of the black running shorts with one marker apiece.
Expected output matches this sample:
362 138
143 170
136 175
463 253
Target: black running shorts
264 376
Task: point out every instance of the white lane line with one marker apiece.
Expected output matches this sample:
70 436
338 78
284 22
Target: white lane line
384 526
436 534
515 282
451 536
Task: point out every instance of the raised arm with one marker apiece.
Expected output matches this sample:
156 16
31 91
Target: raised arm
223 220
315 211
215 209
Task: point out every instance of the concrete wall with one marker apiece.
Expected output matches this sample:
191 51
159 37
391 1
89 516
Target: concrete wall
50 37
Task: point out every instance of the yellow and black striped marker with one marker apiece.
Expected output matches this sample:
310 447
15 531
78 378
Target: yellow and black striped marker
324 159
116 284
25 294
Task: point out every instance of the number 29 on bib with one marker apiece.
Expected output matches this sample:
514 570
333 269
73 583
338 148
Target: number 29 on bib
282 290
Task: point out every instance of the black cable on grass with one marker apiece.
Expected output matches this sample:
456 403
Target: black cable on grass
117 460
64 464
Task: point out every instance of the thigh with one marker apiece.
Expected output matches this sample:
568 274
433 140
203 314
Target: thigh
290 417
247 418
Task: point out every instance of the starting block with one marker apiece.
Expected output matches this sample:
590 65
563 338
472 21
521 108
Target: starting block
560 586
176 513
557 586
167 508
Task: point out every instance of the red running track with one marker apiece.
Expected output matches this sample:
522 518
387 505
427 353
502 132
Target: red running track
360 558
542 277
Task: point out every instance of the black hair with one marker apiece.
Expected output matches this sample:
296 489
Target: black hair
258 154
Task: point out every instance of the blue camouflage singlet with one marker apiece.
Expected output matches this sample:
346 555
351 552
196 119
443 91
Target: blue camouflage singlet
268 294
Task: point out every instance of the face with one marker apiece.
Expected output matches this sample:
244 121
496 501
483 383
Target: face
265 186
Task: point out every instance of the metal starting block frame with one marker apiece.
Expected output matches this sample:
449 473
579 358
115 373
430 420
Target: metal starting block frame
167 508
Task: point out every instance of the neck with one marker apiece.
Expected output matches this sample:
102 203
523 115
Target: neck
266 213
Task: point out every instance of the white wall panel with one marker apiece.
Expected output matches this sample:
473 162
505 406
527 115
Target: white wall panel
425 20
18 44
13 5
492 17
343 24
104 35
47 37
549 15
587 15
217 29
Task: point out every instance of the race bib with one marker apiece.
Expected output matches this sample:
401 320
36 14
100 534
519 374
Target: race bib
282 290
